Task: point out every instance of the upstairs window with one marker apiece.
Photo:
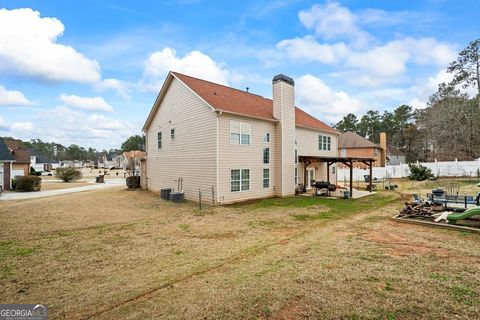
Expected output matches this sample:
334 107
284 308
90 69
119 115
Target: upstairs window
296 156
239 132
159 140
172 134
266 155
266 138
324 143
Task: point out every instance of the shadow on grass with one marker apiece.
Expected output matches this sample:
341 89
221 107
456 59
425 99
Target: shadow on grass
337 208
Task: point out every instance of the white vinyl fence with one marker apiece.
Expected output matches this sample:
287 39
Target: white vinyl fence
442 169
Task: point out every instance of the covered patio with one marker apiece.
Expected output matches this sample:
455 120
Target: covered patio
348 161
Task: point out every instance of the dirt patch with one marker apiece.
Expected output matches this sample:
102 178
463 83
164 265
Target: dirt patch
292 311
400 245
219 236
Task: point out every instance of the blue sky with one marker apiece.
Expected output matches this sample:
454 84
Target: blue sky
88 72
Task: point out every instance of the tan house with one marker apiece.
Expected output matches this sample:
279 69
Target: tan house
352 145
242 145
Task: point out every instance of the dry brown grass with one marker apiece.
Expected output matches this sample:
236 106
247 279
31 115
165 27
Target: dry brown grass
111 254
63 185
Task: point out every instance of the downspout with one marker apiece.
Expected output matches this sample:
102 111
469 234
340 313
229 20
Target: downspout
10 177
217 156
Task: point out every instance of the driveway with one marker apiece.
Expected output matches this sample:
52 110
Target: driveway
49 193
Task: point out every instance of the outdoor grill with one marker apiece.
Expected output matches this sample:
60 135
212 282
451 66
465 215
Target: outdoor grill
324 185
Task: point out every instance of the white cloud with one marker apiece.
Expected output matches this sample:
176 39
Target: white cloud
307 48
100 122
373 66
21 126
75 127
122 88
3 124
12 98
86 103
28 46
318 98
331 21
194 63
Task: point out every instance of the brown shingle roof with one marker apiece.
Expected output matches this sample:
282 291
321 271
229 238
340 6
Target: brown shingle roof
240 102
20 153
352 140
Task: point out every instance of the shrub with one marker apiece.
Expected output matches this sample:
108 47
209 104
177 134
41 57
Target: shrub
133 182
419 172
68 174
28 183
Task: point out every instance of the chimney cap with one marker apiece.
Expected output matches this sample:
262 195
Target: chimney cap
284 78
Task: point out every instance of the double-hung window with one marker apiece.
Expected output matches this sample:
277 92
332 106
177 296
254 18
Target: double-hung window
266 178
266 155
239 132
239 180
324 143
172 134
159 140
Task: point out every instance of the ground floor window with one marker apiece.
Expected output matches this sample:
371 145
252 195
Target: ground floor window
266 178
239 180
296 176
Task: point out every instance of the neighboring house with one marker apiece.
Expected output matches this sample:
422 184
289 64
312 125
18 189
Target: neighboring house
77 164
132 161
105 161
40 162
242 145
395 156
352 145
21 155
6 164
118 161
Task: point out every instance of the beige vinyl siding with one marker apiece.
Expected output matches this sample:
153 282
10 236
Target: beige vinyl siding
307 145
234 156
284 138
192 154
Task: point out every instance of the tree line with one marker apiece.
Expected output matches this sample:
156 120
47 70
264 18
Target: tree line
447 129
57 151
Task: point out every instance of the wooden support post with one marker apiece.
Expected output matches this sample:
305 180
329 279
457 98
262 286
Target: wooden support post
328 172
371 172
351 179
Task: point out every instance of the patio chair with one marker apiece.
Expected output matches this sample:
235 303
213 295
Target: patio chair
417 198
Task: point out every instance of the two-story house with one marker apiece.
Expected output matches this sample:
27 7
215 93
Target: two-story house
242 145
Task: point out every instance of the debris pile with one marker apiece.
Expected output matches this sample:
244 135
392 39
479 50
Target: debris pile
414 209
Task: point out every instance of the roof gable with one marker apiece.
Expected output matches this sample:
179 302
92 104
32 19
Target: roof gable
5 154
236 101
352 140
19 152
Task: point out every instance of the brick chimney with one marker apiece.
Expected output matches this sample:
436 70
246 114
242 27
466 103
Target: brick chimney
284 112
383 145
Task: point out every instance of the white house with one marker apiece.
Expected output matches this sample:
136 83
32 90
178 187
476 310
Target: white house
243 145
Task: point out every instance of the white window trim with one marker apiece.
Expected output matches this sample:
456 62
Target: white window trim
269 138
249 180
324 140
263 156
240 123
269 178
161 140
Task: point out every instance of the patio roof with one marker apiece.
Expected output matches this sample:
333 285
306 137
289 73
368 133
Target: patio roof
335 159
345 160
